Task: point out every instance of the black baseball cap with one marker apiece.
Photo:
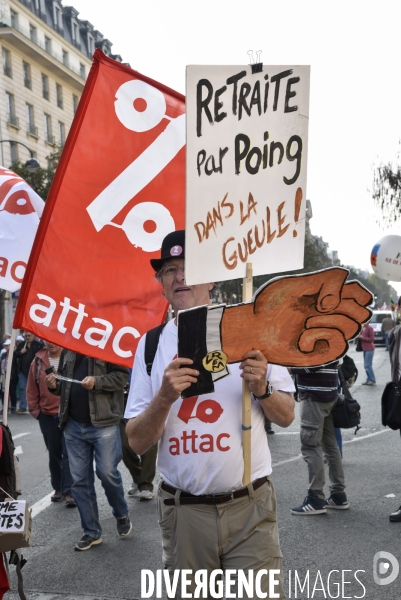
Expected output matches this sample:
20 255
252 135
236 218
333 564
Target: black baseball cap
173 246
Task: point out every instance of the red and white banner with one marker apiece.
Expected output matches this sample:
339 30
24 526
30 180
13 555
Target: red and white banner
118 190
20 211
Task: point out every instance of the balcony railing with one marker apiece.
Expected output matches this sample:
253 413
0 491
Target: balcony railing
77 45
38 43
27 83
12 119
59 30
7 71
50 139
32 130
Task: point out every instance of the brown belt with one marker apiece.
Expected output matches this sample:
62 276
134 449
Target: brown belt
187 498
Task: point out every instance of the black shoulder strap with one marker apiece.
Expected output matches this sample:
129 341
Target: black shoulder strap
151 343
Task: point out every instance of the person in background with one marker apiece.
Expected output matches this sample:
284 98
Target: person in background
387 325
367 337
44 406
91 408
395 362
3 368
24 354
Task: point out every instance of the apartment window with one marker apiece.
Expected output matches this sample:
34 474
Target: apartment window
30 120
26 67
74 103
74 32
61 133
65 58
48 129
14 152
6 62
48 44
33 33
45 87
14 19
57 16
59 95
82 70
10 109
90 45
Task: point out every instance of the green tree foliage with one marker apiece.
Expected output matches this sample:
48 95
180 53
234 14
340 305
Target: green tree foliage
41 179
386 192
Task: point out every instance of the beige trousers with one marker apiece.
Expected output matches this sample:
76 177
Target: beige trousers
241 534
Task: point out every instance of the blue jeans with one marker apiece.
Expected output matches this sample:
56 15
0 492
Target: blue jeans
22 380
85 443
367 363
60 475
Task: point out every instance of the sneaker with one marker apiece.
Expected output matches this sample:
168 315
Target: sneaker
369 383
338 501
57 496
145 495
133 491
86 542
124 526
69 501
21 411
310 506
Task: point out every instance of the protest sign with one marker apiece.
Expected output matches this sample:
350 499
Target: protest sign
118 190
20 211
15 525
247 139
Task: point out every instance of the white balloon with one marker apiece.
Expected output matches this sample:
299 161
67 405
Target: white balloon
132 118
385 258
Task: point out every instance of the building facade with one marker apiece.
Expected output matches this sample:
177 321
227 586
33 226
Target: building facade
46 53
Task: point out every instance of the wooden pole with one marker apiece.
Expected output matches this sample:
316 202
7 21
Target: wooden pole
246 392
8 376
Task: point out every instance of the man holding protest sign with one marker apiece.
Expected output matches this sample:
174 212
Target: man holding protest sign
207 517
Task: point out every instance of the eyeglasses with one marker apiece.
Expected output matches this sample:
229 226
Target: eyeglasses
171 271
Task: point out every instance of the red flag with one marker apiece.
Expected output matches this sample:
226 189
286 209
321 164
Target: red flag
118 190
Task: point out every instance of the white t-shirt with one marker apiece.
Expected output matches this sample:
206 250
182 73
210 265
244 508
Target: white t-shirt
200 450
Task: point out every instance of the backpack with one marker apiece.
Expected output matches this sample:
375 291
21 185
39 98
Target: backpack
391 405
349 371
151 344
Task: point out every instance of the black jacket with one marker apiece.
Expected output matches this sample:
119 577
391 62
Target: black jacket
24 360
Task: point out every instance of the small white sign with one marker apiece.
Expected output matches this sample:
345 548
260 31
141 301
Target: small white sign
247 139
12 516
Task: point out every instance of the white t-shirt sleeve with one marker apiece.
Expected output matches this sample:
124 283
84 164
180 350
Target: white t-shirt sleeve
140 392
280 378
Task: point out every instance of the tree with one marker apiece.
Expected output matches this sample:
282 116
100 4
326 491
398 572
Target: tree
387 191
41 179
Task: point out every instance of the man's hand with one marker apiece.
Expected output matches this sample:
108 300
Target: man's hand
177 378
51 381
253 370
299 321
88 383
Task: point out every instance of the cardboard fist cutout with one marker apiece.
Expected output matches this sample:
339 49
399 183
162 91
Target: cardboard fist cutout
295 321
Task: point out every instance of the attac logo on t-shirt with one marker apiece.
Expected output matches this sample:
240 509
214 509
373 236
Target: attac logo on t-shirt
207 411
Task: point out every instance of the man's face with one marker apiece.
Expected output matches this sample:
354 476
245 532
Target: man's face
52 347
29 337
180 295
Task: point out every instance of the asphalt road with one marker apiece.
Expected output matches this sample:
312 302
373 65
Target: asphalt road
330 554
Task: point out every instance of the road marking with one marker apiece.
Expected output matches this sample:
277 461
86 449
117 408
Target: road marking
41 505
359 439
18 450
15 437
286 432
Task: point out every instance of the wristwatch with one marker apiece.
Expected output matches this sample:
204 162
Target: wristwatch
267 394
